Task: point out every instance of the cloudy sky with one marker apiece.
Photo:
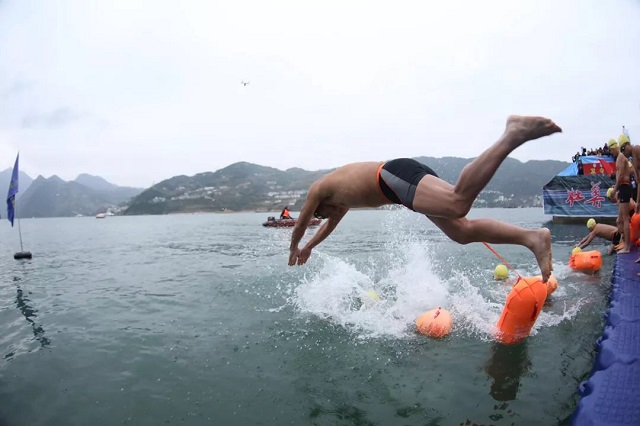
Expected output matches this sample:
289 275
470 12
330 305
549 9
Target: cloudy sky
140 91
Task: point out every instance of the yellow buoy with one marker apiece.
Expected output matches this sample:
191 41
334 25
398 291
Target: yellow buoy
371 294
435 323
501 272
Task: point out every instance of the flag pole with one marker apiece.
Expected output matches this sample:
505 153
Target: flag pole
20 233
11 209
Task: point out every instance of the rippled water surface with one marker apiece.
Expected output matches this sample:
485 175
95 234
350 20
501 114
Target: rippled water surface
197 319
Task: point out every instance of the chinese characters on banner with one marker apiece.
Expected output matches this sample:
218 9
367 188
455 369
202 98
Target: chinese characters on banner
575 196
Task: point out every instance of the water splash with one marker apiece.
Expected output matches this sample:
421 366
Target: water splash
383 298
343 294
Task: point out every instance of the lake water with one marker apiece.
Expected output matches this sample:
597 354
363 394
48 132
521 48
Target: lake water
197 319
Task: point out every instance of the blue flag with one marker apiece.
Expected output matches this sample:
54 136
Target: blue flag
13 190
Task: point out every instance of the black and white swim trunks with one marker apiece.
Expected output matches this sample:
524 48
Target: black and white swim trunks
398 179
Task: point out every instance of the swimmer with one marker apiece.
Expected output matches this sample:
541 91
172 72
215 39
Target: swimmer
608 232
623 190
414 185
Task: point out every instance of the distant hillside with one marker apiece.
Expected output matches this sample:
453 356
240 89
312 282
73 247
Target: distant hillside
519 183
54 197
246 186
113 193
24 181
95 182
240 186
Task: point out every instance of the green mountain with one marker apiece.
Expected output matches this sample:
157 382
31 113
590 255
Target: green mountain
114 194
514 184
24 181
246 186
240 186
54 197
95 182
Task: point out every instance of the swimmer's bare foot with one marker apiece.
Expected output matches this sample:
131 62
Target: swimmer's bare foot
623 251
521 129
541 247
638 260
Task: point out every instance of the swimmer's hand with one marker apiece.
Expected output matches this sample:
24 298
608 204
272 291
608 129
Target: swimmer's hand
299 256
293 256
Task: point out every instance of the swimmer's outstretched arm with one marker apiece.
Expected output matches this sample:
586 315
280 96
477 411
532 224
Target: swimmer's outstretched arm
308 208
587 240
327 228
301 256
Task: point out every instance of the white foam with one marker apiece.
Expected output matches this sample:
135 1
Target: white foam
340 292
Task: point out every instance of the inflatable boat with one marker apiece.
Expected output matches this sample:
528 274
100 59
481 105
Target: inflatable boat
282 223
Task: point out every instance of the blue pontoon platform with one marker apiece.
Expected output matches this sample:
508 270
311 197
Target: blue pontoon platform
611 395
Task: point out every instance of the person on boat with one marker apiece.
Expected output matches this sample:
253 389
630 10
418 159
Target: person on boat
622 189
414 185
602 230
285 213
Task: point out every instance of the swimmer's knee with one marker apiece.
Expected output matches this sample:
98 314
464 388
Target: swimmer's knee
463 238
460 208
462 235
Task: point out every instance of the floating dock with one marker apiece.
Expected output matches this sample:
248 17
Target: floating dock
611 395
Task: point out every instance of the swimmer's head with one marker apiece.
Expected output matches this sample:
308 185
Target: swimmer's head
610 193
623 139
591 223
613 143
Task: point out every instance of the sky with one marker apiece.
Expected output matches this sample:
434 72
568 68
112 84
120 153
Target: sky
140 91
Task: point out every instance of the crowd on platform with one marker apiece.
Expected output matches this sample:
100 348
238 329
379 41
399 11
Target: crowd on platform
604 150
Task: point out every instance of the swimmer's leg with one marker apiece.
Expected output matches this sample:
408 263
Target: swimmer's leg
435 199
465 231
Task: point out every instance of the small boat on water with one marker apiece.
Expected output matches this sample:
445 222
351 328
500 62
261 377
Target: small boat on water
101 216
283 223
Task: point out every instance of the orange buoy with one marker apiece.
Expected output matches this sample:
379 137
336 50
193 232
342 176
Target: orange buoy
523 305
435 323
586 261
552 283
